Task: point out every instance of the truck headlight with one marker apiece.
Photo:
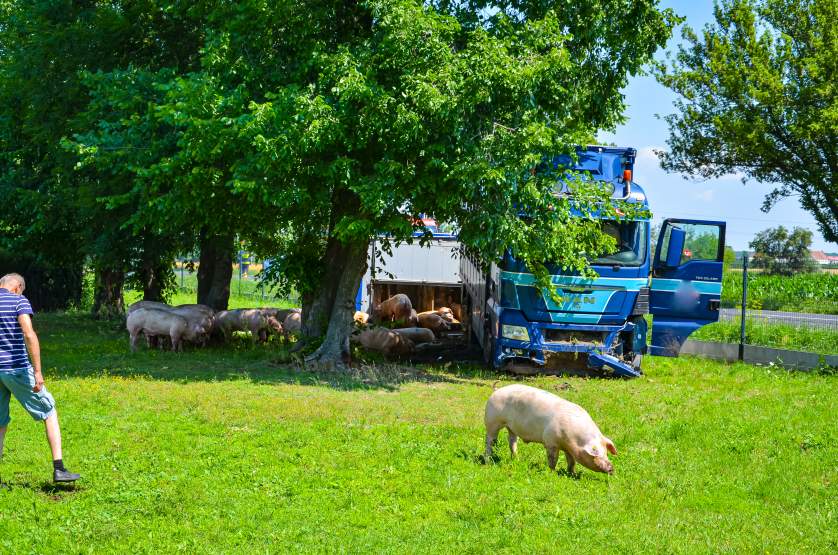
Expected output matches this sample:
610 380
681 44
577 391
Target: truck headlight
518 333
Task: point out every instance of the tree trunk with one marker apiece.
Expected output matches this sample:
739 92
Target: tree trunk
343 278
317 306
154 273
108 301
215 270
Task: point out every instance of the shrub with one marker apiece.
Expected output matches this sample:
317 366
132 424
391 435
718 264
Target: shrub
48 286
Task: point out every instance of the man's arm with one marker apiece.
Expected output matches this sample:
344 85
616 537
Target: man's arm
34 347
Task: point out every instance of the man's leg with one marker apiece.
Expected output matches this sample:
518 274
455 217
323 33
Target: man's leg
59 472
5 396
41 406
2 440
54 435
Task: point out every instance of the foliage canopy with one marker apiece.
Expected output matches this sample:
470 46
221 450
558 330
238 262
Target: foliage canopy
305 128
757 96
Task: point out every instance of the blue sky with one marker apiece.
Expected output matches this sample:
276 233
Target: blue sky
671 195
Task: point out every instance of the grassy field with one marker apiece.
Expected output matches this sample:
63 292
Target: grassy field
228 450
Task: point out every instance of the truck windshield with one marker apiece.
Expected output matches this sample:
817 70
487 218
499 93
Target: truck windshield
631 243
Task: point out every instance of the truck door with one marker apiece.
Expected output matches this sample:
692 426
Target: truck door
686 287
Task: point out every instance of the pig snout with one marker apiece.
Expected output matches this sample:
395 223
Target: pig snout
604 465
595 456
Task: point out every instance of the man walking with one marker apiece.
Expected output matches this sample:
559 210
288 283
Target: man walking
21 378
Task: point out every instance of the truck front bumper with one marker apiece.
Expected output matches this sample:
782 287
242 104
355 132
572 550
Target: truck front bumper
544 354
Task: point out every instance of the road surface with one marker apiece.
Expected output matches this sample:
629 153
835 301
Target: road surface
821 321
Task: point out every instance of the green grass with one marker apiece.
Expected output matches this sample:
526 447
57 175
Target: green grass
225 450
778 336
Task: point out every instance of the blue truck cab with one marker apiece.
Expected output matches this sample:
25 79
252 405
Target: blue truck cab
600 323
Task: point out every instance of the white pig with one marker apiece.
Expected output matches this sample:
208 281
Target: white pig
243 319
457 311
385 341
417 335
361 318
396 308
446 313
279 313
146 304
155 322
537 416
198 308
292 324
433 321
275 326
202 318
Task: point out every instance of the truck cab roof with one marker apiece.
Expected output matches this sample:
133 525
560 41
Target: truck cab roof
609 164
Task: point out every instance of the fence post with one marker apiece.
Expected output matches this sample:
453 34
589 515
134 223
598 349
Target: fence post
182 264
744 305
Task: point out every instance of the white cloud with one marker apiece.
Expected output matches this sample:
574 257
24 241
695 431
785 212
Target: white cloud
647 165
648 162
737 176
706 195
647 154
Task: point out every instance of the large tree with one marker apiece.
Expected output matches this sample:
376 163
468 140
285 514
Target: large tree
46 204
311 127
784 253
758 96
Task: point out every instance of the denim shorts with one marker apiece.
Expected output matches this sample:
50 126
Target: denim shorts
19 383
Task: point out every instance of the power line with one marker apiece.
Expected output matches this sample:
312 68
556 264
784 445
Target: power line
768 220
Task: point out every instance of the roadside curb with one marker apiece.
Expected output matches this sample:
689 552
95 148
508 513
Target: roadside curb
754 354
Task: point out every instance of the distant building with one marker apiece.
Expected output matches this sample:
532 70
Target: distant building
822 258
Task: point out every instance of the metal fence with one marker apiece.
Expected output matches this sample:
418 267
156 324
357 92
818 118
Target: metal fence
783 307
245 282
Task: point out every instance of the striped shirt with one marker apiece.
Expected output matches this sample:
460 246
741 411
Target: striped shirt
13 355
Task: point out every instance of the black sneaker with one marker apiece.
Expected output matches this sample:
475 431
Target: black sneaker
64 476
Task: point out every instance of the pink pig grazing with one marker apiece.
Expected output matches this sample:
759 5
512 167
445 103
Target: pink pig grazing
537 416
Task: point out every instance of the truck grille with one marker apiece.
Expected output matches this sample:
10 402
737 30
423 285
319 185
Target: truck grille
587 338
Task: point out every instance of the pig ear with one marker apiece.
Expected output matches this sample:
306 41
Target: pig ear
609 445
593 450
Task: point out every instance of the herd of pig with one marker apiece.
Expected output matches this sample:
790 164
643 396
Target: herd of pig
395 328
528 413
197 324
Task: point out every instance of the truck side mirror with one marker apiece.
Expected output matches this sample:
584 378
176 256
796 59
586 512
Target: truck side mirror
676 247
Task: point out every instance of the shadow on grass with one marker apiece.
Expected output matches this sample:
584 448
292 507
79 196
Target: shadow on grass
563 472
495 459
477 458
76 345
56 492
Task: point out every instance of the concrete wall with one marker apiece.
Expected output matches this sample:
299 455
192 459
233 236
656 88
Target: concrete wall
795 360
